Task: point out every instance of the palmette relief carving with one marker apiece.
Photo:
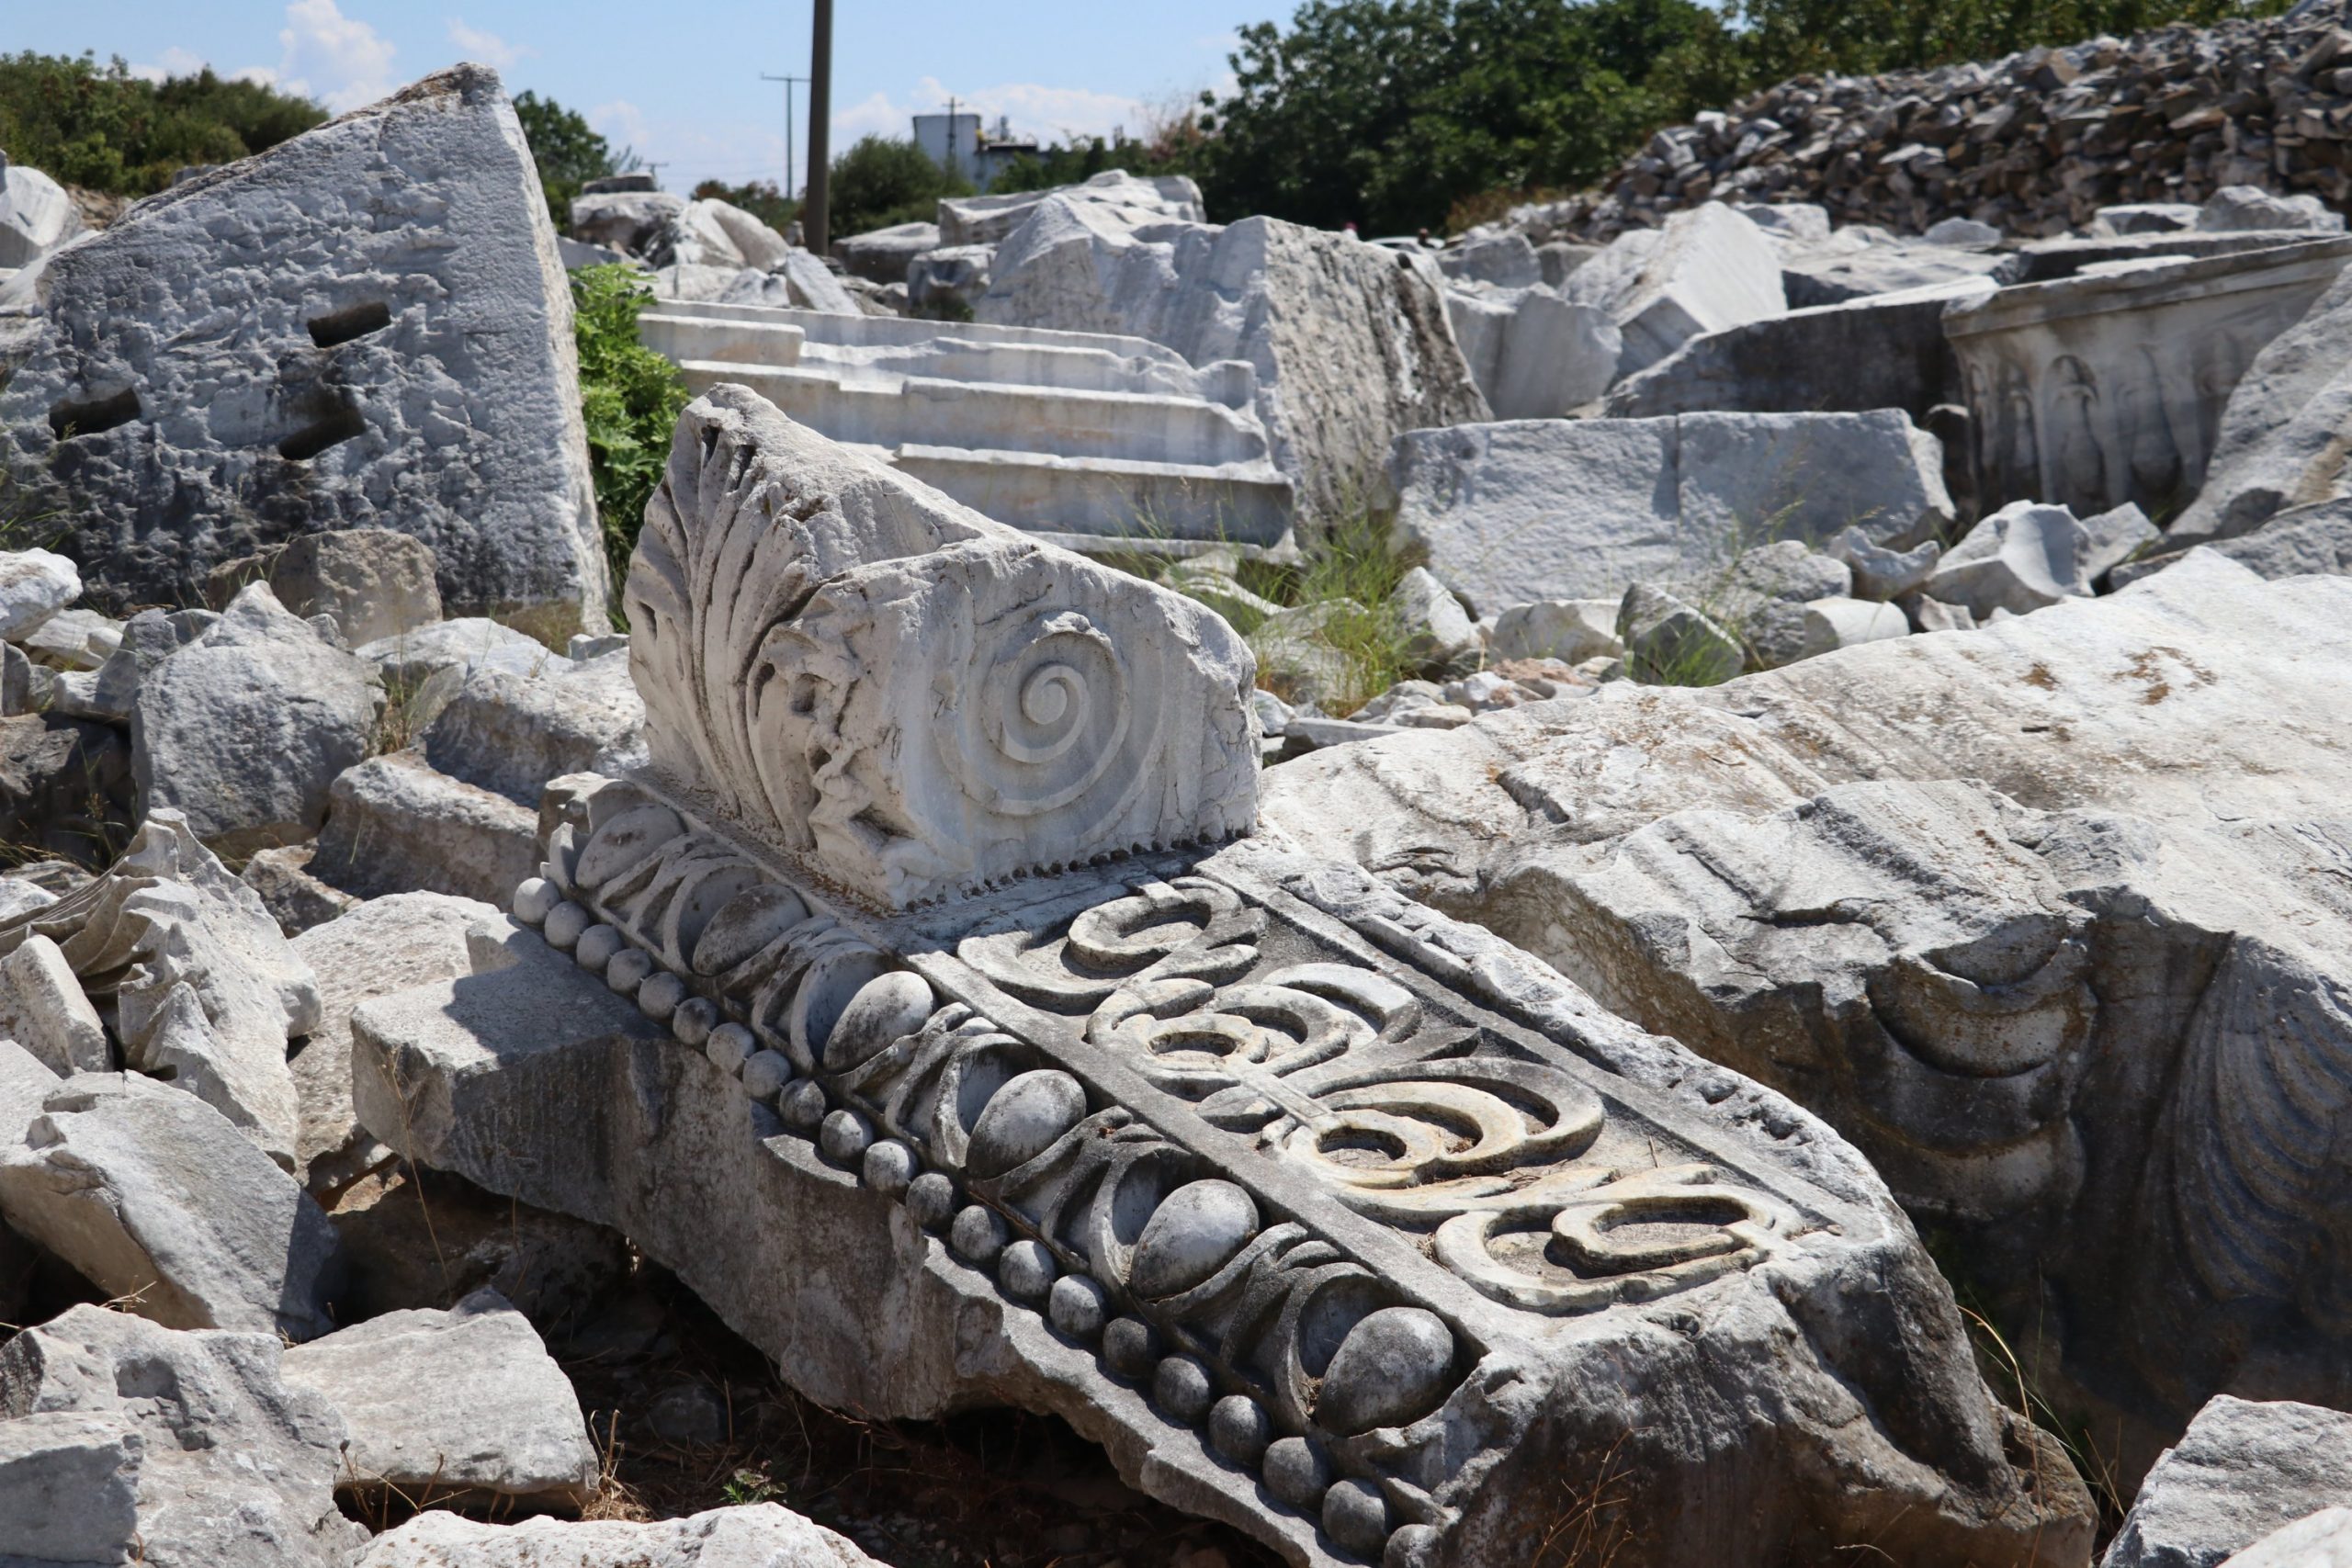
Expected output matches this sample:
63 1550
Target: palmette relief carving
910 700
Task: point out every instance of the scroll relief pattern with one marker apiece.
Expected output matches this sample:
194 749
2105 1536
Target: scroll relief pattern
1294 1359
909 696
1339 1068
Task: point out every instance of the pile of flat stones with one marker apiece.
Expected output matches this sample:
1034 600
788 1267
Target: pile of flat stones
2033 144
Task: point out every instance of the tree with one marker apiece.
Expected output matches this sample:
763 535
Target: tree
883 180
101 128
568 152
1386 112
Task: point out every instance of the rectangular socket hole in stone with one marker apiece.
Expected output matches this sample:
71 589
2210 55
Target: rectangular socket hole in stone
341 424
341 326
70 417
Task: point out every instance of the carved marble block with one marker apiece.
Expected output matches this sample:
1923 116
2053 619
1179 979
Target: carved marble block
2095 390
1326 1216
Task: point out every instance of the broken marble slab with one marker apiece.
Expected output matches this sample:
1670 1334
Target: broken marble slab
378 947
2047 918
2092 391
401 356
2243 1469
2317 1540
1704 270
752 1535
2021 558
150 1195
466 1405
1581 508
191 972
397 824
43 1010
966 1165
183 1450
34 585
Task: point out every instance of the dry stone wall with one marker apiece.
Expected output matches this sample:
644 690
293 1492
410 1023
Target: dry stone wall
2033 144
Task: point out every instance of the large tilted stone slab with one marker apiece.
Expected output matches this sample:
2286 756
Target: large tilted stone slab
1329 1217
2048 917
1704 270
149 1194
758 1534
509 731
366 325
987 219
397 824
2092 391
1581 508
465 1403
2242 1471
185 1449
922 700
1350 341
36 215
1883 350
192 974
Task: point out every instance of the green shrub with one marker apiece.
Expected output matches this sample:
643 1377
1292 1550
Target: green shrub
882 180
101 128
629 398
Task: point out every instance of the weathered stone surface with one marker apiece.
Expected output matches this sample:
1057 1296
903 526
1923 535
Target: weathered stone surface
111 691
2112 539
1670 643
227 1464
1704 270
36 215
466 1402
1881 573
374 582
1437 631
34 585
1570 631
2145 217
1581 508
1349 341
2240 1470
2235 208
1534 354
73 640
509 733
2023 557
2092 391
2044 917
1859 263
191 972
710 233
69 1488
397 353
43 1010
986 220
296 899
881 255
1880 351
1502 257
757 1535
152 1195
946 282
65 787
396 823
246 729
969 705
2318 1541
630 222
2280 442
380 946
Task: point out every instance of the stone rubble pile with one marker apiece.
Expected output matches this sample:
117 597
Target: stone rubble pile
2033 144
1828 739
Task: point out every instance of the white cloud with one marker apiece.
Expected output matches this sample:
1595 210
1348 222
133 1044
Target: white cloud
1049 114
173 62
475 43
621 122
338 59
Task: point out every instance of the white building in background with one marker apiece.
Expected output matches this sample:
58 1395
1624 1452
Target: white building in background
958 142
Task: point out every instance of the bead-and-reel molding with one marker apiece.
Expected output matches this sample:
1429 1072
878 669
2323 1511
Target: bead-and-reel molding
1292 1357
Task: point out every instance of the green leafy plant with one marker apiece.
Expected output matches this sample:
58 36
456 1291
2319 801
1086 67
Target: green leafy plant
101 127
629 398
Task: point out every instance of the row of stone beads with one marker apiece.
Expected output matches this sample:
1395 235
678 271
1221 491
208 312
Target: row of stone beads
1294 1470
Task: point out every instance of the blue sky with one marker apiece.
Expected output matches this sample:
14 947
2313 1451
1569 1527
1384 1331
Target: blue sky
680 83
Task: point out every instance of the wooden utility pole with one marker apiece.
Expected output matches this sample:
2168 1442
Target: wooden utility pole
820 110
